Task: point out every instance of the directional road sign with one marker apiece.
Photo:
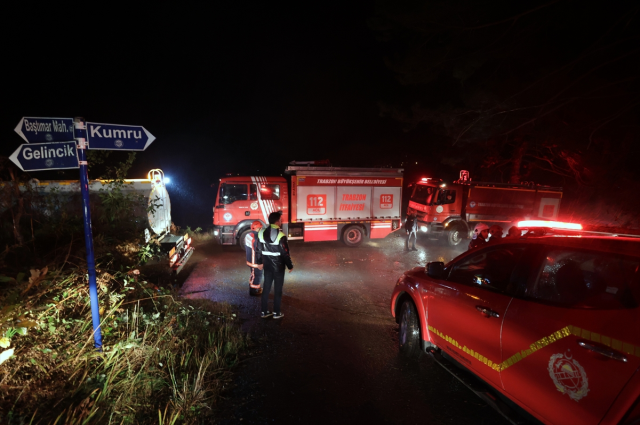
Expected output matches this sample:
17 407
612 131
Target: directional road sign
33 129
118 137
46 156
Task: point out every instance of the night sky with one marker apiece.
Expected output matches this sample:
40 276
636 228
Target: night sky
241 87
227 87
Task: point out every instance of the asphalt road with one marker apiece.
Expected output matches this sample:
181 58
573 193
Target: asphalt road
333 358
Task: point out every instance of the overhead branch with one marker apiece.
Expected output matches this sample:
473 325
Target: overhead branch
490 24
570 64
602 65
613 117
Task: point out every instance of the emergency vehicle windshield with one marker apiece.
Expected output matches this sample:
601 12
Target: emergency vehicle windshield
424 194
232 192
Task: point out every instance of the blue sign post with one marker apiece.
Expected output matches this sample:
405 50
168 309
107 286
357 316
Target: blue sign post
66 154
80 133
118 137
46 156
44 130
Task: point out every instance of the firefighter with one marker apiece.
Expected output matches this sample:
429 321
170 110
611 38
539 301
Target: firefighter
496 233
250 243
480 234
411 228
273 254
514 232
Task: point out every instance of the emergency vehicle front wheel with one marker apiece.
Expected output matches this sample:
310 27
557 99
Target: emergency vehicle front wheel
242 237
353 236
409 335
455 236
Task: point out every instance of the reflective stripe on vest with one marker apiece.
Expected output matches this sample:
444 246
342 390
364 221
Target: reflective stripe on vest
273 254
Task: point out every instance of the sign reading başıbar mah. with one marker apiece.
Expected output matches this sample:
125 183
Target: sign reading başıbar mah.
118 137
33 129
46 156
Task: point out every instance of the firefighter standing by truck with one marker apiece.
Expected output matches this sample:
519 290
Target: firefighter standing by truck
411 228
250 245
273 254
495 233
480 235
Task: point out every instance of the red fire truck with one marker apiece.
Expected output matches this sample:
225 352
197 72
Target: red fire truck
323 204
451 210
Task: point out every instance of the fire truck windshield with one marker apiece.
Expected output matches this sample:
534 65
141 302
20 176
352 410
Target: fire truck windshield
230 193
424 194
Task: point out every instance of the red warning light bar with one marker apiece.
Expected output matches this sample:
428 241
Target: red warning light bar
549 224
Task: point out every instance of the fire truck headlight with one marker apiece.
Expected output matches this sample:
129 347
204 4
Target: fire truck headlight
215 233
424 228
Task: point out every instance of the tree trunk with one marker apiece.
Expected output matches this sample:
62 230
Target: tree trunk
516 163
17 215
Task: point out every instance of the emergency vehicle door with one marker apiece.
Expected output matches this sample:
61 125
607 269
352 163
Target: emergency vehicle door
571 340
270 199
468 308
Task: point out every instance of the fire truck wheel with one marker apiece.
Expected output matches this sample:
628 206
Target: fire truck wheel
409 335
455 236
243 235
353 236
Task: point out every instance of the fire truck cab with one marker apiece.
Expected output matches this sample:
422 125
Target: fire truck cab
243 200
451 210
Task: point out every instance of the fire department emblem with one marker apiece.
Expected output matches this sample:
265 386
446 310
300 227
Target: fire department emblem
439 209
568 376
227 216
254 205
472 204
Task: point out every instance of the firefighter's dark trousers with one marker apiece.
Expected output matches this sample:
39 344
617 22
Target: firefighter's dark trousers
411 237
277 279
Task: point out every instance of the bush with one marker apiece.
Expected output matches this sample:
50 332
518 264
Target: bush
164 359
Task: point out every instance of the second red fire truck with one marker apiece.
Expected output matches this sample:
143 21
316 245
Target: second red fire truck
322 204
451 210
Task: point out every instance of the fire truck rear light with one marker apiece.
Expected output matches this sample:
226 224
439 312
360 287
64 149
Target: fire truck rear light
174 259
189 241
549 224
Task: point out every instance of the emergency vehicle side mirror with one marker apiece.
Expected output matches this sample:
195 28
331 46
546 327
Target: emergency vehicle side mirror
220 206
435 269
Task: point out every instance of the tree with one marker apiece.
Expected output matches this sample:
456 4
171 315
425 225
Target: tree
535 88
13 201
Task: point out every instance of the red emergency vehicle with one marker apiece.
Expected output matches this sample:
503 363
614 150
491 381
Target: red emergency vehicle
549 321
321 204
451 210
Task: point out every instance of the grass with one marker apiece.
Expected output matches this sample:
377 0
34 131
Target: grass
164 361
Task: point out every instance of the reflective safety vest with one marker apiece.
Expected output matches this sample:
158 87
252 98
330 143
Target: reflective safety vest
274 243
